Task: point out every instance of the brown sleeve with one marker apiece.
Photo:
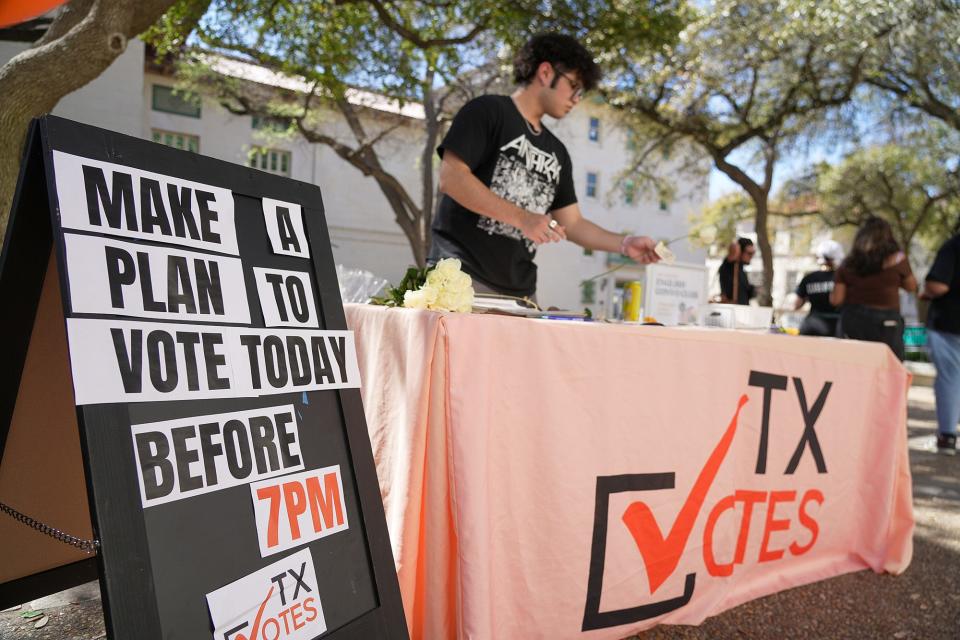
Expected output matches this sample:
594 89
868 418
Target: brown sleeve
840 276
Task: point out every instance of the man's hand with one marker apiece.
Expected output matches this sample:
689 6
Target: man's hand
933 289
541 228
640 249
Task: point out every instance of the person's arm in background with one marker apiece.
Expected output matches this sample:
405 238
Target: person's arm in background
592 236
941 272
839 293
458 182
933 289
907 280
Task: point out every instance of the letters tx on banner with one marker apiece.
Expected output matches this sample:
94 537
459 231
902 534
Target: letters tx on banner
175 341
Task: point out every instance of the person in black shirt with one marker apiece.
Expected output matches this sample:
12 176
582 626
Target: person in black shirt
815 287
942 288
507 181
739 255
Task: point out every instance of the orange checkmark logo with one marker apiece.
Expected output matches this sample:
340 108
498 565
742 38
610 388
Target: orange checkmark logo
256 622
661 555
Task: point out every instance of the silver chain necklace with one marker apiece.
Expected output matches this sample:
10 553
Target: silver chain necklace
530 128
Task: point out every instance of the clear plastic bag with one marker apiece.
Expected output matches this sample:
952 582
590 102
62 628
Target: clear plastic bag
357 285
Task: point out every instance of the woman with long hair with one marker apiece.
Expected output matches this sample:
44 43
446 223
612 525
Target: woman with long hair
867 284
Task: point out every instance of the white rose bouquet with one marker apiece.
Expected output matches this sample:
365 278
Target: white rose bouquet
443 287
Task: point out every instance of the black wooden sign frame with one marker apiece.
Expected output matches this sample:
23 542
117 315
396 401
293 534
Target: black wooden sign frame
148 589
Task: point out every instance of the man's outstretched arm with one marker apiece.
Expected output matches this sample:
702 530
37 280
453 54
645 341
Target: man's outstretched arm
592 236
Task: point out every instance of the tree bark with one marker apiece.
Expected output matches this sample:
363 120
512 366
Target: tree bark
426 164
84 39
408 214
760 195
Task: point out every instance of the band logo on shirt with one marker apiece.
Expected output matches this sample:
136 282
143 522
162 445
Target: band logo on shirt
536 159
527 177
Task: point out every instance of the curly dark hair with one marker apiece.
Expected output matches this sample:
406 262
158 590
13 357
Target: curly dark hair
564 51
873 244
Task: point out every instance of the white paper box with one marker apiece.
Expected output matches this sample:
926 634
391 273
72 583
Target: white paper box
735 316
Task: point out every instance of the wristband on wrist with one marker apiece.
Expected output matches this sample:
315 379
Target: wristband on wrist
623 244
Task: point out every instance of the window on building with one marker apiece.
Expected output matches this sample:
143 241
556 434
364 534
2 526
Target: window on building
183 141
271 160
170 101
587 252
594 133
591 185
588 292
270 123
629 191
664 205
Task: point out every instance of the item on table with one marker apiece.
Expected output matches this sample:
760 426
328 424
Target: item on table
632 295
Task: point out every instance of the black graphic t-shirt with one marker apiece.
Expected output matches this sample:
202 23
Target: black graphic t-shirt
945 311
533 171
816 287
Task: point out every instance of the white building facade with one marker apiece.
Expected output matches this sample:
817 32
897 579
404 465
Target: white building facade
132 97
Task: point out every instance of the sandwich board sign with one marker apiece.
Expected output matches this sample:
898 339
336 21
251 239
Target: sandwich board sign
179 386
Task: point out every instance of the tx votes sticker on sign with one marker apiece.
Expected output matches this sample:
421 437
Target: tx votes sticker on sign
296 509
278 602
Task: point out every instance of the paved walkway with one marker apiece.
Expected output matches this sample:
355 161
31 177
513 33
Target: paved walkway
921 604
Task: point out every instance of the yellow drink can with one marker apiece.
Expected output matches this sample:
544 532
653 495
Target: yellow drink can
632 296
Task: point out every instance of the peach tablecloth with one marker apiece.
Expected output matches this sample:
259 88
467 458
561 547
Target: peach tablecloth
554 479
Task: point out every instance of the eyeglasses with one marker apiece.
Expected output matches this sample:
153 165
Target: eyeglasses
574 85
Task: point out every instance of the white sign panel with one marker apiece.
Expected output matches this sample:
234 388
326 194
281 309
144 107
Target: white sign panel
674 292
299 508
121 278
122 201
284 222
279 601
129 361
286 298
190 456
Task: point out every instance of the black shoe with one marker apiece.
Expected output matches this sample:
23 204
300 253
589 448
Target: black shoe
947 444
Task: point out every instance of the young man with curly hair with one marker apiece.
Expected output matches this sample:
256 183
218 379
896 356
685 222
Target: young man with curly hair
507 181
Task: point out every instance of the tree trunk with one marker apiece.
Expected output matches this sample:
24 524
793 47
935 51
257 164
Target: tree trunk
84 39
427 173
760 195
408 215
766 251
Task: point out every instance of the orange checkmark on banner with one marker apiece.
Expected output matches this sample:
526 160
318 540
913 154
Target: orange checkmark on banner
661 555
256 622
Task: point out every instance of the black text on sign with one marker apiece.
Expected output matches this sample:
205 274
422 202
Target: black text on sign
182 458
128 202
122 278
